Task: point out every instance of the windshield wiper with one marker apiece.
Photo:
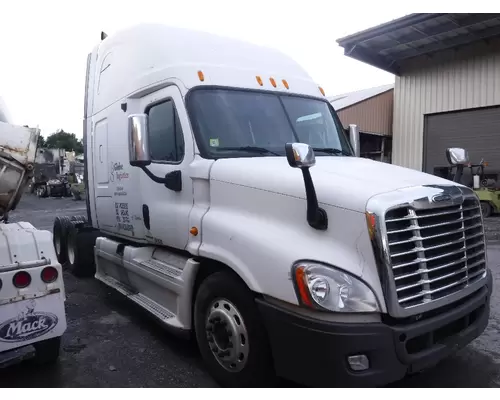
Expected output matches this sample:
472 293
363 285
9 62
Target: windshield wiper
330 150
250 149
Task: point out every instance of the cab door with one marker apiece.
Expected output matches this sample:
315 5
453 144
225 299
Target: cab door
166 209
103 197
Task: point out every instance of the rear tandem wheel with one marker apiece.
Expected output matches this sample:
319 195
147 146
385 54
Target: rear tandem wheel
80 250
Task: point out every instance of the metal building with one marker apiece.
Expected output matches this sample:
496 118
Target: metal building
370 109
447 87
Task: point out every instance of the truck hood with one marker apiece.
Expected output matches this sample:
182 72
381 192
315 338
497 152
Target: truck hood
346 182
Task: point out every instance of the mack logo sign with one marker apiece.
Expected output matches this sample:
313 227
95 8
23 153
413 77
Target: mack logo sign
27 327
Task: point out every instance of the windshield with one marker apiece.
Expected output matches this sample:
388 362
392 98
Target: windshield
233 123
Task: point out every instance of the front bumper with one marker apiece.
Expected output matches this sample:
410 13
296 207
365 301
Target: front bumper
314 352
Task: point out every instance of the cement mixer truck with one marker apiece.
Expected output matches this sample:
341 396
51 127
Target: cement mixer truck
32 296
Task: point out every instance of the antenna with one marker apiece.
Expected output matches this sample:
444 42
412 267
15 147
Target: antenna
103 35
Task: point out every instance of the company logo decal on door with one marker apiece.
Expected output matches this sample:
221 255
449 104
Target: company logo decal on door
27 325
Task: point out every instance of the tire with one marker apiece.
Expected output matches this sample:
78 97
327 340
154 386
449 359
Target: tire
47 352
223 298
60 238
57 238
80 259
487 209
79 218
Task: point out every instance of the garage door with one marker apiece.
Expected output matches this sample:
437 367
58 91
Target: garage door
476 130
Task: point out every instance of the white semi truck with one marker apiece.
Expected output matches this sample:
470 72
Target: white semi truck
32 296
225 198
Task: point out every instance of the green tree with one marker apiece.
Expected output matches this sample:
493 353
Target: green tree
41 142
64 140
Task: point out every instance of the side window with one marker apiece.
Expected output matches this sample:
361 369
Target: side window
165 133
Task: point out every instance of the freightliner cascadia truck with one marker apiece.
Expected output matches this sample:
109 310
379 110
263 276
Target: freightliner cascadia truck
225 198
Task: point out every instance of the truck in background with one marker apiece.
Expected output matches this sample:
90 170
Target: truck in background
225 199
50 173
32 297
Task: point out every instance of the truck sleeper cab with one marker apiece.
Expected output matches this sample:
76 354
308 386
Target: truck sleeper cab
225 198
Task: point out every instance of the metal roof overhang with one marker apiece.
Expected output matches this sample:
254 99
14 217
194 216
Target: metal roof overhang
388 45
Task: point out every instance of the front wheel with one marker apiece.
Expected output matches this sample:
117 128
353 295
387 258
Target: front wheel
487 209
231 337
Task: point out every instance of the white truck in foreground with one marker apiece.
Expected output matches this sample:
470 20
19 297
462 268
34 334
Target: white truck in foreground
224 198
32 312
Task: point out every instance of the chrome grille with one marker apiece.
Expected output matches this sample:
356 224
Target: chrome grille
434 252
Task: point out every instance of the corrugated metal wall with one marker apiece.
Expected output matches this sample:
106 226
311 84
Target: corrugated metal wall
452 80
372 116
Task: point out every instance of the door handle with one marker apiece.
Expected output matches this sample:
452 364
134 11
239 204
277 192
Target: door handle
100 153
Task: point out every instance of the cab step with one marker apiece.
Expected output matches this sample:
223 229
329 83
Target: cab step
171 271
115 284
154 308
143 301
157 279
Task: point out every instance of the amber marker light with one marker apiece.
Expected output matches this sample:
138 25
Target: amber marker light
372 224
301 280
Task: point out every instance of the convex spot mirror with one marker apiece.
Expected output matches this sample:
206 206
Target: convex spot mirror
457 156
300 155
138 140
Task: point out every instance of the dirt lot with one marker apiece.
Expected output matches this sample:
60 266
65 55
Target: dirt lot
110 343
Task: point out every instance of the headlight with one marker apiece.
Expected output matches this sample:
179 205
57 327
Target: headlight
322 287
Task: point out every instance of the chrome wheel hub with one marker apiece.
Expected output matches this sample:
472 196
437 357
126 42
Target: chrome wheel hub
227 335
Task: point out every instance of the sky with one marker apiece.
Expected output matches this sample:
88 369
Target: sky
45 44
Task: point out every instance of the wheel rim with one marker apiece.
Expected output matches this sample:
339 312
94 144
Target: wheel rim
227 335
71 250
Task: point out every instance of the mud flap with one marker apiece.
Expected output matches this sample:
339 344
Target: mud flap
30 321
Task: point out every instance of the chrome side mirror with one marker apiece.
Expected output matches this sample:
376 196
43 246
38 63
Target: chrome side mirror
300 155
138 143
457 156
354 138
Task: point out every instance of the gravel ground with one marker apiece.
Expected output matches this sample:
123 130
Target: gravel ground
110 343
